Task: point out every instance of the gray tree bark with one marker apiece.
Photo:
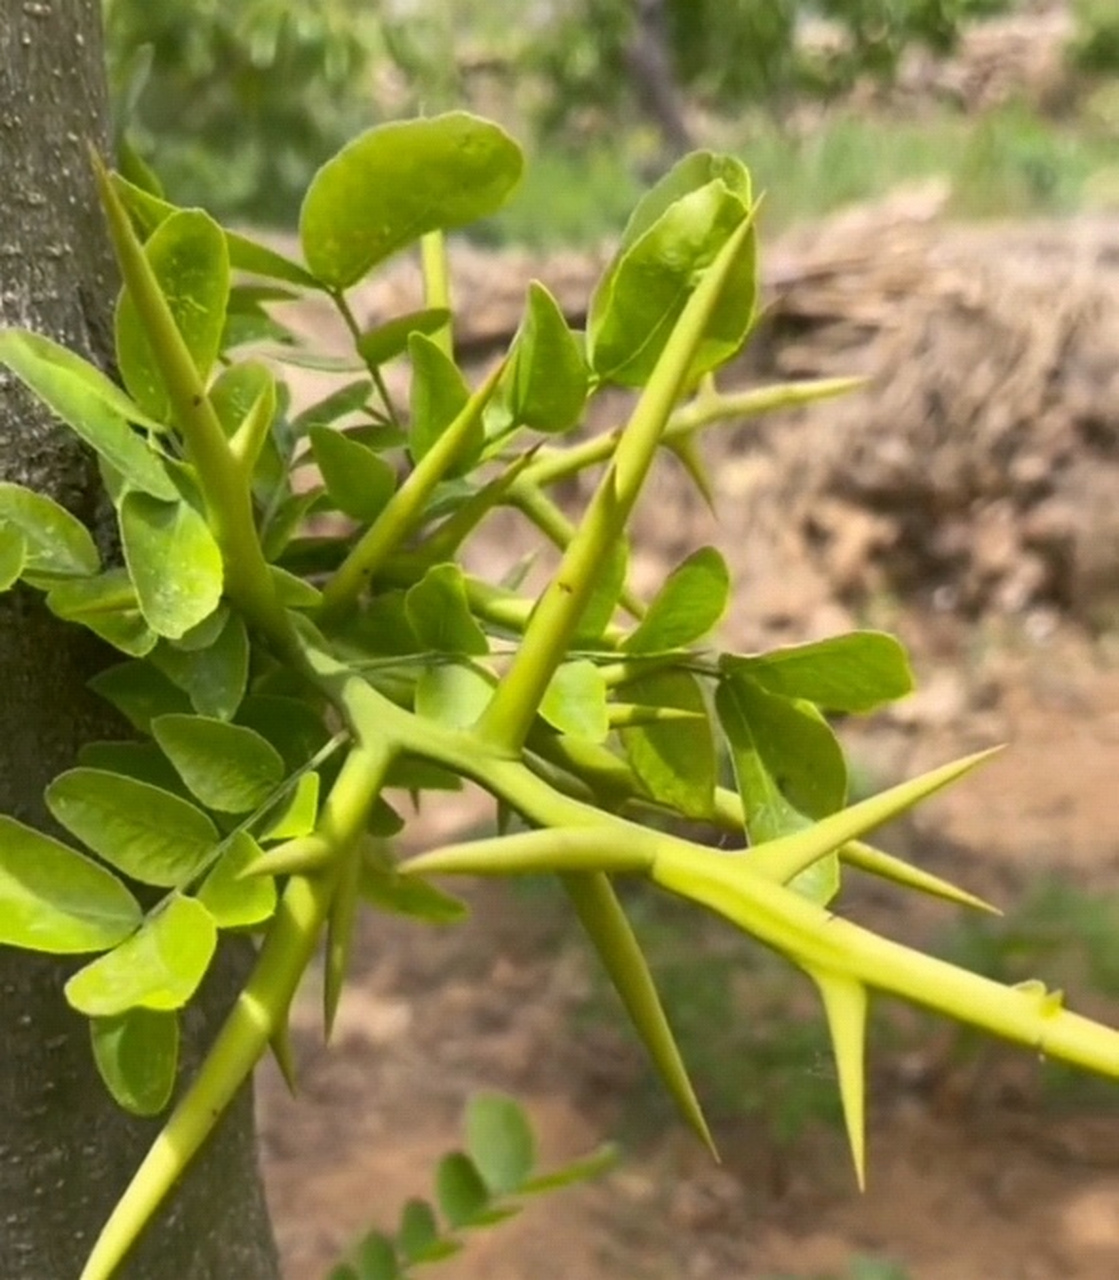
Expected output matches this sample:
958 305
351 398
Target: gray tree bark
66 1151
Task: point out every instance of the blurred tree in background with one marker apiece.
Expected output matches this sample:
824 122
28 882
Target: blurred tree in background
242 102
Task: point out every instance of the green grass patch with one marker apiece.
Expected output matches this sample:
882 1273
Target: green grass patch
1006 163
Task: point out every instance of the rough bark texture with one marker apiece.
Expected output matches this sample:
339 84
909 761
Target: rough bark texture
66 1151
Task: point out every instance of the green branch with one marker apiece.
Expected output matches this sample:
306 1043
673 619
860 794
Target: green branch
554 465
223 477
553 624
259 1014
405 509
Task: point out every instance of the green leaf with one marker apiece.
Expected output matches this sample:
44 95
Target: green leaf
567 1175
855 672
782 859
228 767
158 967
575 701
691 602
151 835
359 482
689 174
500 1141
764 734
439 394
56 544
797 746
173 560
675 760
438 612
297 814
107 605
387 341
203 634
419 1231
139 692
294 592
453 693
190 261
549 376
39 361
248 323
736 308
238 903
140 760
95 410
215 677
636 305
377 1259
250 255
382 885
285 521
343 1271
237 390
461 1192
137 1056
13 555
54 899
291 725
397 182
341 403
148 211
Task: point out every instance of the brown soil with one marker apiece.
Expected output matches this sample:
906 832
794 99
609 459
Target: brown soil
981 526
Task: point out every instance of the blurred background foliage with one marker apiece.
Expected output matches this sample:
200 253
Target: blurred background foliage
237 104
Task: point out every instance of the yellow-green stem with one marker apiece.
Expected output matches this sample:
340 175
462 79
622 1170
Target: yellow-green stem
437 286
404 509
224 482
554 465
551 629
256 1016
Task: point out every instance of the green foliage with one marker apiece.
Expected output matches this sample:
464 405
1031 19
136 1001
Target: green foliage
477 1188
242 102
281 683
1095 46
732 55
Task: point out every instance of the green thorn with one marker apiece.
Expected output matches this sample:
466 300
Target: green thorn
845 1003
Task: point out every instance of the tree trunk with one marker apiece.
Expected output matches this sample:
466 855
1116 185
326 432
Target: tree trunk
66 1151
648 59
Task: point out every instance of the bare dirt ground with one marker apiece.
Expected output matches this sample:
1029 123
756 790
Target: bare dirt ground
973 514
